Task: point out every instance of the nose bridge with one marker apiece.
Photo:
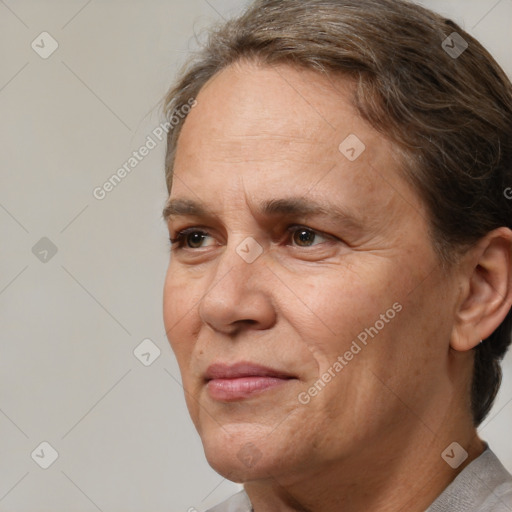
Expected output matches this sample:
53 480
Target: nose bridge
240 264
237 288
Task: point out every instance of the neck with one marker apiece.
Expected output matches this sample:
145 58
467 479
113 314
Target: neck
404 473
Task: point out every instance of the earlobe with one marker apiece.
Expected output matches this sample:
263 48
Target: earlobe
487 296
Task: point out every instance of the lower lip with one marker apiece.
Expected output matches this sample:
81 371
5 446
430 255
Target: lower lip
242 387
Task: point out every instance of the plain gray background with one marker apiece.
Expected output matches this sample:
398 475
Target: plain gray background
70 321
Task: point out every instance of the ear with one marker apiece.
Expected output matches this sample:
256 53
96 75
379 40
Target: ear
487 290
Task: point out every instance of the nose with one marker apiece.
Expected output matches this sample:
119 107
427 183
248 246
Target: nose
238 294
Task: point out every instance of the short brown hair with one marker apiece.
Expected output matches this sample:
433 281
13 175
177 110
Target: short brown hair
449 115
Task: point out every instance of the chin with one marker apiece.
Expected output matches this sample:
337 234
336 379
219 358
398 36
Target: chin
233 469
238 458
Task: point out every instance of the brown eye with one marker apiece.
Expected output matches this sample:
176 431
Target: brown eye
194 239
189 239
305 237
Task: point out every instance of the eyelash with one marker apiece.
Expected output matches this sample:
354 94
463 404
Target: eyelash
178 241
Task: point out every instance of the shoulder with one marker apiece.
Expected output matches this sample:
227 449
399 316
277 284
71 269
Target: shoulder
495 484
499 497
483 486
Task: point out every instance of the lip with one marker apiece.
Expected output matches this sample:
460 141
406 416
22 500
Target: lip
242 380
243 369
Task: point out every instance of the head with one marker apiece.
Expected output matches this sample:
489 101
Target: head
354 229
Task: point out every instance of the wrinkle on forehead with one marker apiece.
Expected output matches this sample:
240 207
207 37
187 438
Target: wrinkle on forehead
297 110
260 131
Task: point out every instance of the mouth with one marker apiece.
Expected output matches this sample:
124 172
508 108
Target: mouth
229 383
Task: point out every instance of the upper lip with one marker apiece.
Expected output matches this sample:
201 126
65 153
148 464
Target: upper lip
243 369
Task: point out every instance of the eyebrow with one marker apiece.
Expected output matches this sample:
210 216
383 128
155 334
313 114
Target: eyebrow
290 206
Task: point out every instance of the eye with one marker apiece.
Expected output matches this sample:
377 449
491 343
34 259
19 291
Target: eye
301 236
190 238
304 236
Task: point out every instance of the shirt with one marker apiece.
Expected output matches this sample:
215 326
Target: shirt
484 485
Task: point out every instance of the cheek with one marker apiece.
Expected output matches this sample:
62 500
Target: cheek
178 312
351 343
170 308
337 308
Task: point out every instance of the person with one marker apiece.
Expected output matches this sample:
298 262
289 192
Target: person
339 288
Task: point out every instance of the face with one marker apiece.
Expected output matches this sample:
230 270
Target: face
306 273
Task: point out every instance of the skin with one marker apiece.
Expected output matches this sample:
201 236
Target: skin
372 438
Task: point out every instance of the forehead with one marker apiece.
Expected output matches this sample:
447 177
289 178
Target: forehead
283 128
249 105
